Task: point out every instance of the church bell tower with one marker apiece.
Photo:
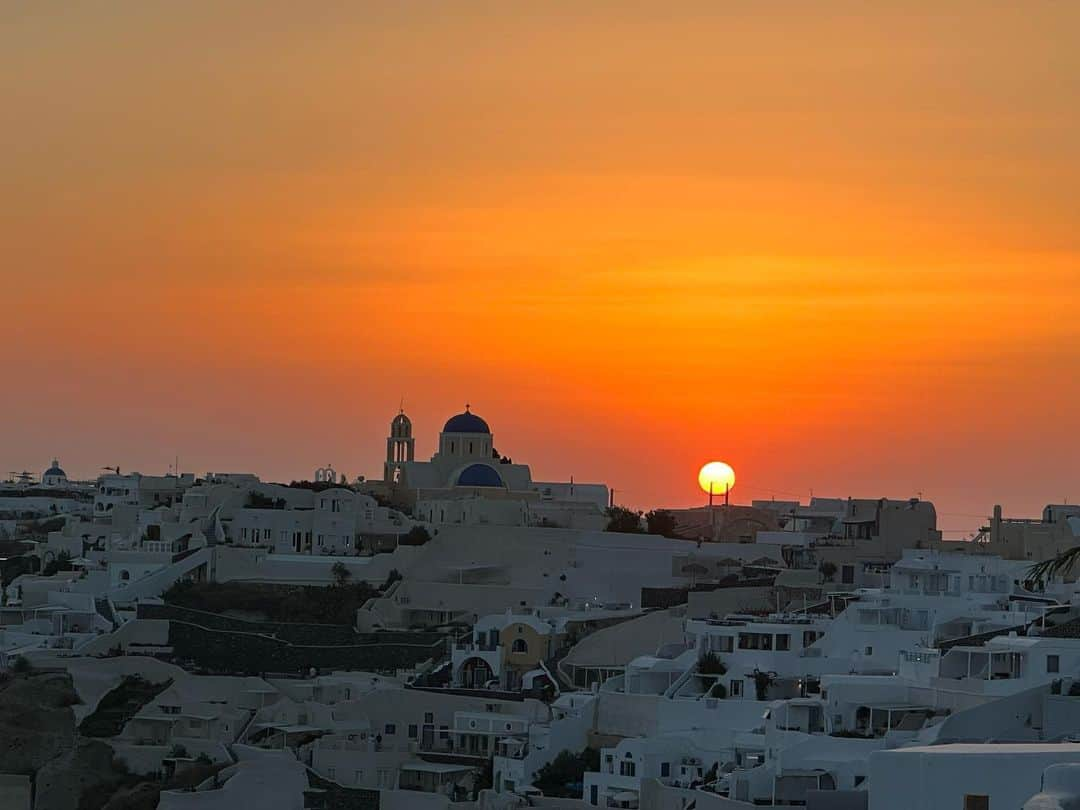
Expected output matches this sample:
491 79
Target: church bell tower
400 447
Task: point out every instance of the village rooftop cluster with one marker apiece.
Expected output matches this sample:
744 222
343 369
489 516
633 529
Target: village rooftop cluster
454 634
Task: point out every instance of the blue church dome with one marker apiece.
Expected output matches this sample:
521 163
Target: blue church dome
479 475
54 470
466 423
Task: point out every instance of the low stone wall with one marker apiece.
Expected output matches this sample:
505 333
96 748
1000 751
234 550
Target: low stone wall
309 633
295 633
229 652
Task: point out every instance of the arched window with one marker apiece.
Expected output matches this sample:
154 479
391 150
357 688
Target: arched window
519 646
125 575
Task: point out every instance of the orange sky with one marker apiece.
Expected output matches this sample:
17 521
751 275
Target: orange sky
833 244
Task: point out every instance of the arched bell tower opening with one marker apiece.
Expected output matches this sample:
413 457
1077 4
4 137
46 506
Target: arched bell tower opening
400 447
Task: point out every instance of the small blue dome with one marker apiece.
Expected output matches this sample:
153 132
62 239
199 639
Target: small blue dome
466 423
54 470
479 475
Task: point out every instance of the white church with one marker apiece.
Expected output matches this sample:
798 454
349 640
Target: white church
468 482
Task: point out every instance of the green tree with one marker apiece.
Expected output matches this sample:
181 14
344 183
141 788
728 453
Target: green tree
662 522
762 682
341 574
564 775
710 664
416 536
62 562
827 570
621 519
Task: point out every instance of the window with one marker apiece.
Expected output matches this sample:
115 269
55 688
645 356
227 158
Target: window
868 651
444 732
783 641
413 732
973 801
519 646
390 729
1053 663
665 769
429 717
724 643
735 687
330 772
810 636
627 767
359 777
755 641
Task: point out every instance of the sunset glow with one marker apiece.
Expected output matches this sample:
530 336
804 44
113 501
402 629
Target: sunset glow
636 237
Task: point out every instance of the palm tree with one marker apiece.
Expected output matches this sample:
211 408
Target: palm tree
341 574
1058 566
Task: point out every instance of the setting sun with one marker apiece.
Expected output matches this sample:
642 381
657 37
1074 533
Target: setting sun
716 478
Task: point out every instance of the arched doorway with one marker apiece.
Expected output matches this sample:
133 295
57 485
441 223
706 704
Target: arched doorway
475 672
